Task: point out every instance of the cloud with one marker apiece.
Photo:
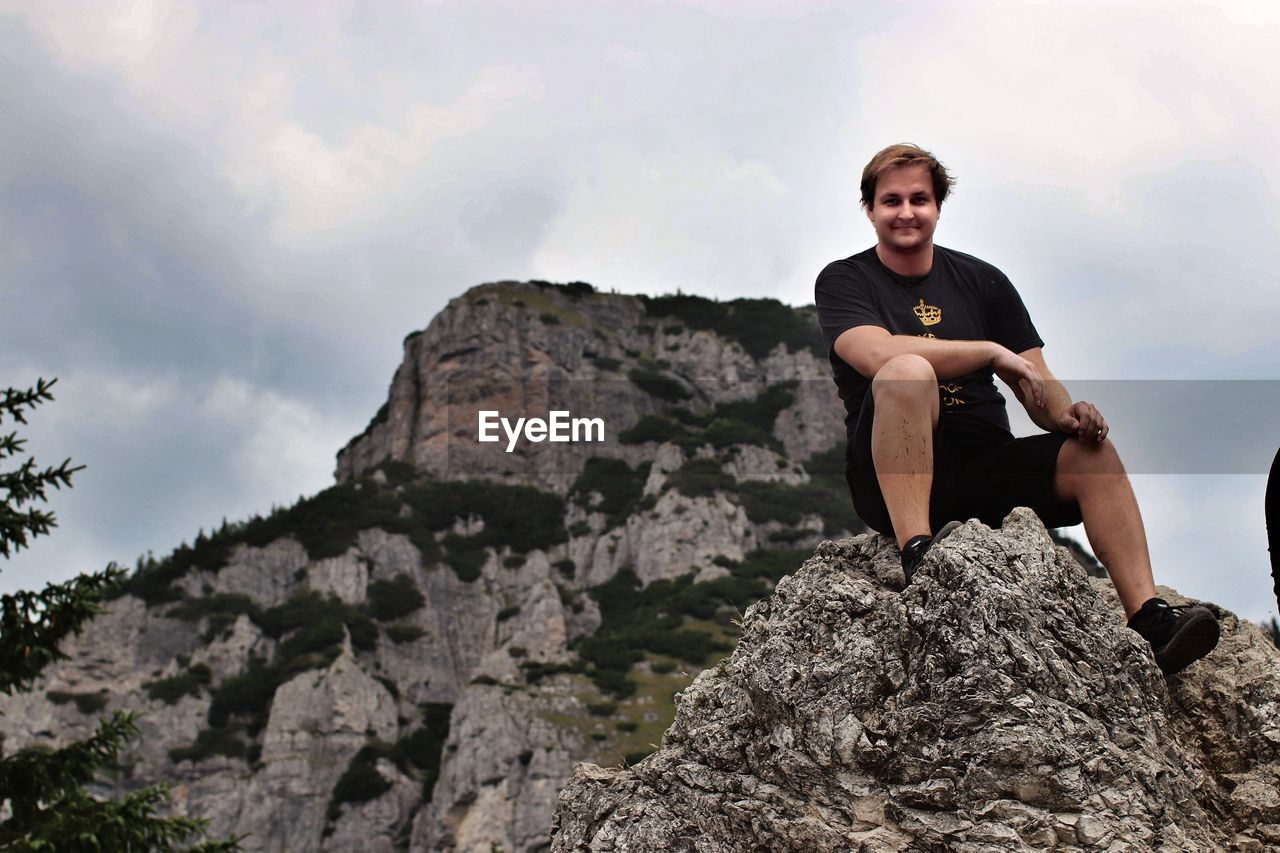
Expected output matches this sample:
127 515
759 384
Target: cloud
279 440
1208 539
642 224
235 213
319 189
1108 161
163 459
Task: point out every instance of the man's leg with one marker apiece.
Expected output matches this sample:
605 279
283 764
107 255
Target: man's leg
905 391
1093 475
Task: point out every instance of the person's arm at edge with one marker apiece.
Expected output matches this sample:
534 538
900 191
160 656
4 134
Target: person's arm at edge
867 348
1059 413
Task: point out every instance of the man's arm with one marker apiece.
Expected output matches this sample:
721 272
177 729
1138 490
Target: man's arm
867 348
1059 413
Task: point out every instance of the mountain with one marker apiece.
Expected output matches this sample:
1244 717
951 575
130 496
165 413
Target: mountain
417 657
997 703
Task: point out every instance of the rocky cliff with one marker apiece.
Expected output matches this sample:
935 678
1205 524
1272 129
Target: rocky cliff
525 349
998 703
416 657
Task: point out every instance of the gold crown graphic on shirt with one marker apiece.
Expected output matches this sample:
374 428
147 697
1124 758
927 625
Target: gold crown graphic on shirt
929 314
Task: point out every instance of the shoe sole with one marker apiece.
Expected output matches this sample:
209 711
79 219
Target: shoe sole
944 532
1193 641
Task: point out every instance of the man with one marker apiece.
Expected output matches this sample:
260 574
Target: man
914 332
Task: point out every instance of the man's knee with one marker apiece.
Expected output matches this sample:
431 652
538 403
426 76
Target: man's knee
905 377
1084 456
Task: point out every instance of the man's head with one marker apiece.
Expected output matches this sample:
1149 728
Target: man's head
905 154
902 190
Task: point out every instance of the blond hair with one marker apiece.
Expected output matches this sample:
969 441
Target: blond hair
905 154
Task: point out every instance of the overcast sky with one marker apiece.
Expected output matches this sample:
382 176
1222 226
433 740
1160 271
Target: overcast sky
219 220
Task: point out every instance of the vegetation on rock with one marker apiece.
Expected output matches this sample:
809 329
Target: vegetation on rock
757 325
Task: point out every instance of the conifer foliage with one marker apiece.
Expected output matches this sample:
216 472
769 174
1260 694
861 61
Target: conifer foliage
44 804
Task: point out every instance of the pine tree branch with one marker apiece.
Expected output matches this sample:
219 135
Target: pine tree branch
51 812
33 624
15 400
11 445
27 484
46 776
23 485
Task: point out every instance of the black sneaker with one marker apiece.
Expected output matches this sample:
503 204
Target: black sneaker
913 552
1179 636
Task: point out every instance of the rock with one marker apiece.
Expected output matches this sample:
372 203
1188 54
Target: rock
999 702
486 351
345 577
668 458
375 826
268 575
678 535
507 761
813 423
750 462
319 721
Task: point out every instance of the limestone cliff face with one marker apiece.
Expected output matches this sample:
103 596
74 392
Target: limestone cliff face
376 669
998 703
523 349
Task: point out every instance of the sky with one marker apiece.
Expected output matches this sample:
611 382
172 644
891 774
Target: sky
219 220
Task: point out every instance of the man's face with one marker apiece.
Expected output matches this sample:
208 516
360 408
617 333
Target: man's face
904 212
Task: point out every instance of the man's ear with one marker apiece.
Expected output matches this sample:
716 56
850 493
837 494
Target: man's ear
867 209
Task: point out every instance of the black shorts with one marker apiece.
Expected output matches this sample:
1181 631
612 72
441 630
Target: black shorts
982 478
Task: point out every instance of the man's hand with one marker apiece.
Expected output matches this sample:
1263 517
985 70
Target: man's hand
1085 421
1017 372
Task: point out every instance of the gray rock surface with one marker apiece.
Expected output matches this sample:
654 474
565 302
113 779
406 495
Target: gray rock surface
319 720
998 703
508 760
268 575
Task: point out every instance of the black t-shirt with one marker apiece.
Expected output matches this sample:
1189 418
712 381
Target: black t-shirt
961 299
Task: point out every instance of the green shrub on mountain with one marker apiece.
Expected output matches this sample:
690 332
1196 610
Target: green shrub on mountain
328 523
758 325
653 428
618 484
521 517
739 422
699 478
393 599
657 383
86 702
227 740
185 683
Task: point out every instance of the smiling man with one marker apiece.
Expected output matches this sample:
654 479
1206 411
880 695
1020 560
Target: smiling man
915 333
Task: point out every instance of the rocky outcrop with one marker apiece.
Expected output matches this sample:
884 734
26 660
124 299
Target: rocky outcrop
998 703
